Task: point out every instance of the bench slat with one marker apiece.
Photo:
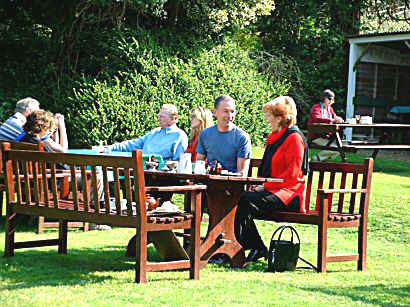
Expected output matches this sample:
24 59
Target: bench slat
84 183
54 186
94 188
117 190
74 187
106 189
353 195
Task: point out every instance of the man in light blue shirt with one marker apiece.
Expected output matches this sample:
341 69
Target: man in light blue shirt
167 140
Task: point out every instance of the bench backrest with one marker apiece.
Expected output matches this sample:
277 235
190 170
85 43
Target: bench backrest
344 176
330 175
86 170
18 146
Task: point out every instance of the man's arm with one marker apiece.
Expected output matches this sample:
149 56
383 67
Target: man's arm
180 146
200 157
316 115
336 119
130 145
242 166
244 155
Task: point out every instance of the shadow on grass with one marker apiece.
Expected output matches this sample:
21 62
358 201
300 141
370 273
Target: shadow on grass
33 268
372 294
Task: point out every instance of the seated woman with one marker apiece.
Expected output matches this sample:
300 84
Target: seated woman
285 157
39 127
200 119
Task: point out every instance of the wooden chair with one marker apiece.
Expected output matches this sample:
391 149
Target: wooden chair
80 207
41 223
328 186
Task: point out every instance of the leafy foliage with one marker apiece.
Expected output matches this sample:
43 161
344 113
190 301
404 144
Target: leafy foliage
144 75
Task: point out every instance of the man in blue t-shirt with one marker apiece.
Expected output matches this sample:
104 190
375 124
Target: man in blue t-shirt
225 142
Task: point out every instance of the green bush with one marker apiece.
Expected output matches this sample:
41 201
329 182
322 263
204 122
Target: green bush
142 72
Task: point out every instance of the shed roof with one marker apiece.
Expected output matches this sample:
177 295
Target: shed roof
376 34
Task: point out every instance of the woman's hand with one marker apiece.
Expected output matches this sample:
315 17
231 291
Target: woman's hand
60 119
256 188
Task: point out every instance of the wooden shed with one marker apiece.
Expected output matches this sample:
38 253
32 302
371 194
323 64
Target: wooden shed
379 77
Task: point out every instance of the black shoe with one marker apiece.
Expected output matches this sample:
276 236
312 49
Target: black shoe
217 259
255 254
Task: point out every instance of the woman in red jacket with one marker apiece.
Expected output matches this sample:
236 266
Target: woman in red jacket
285 157
201 118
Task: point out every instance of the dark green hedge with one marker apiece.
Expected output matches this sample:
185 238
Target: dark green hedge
142 71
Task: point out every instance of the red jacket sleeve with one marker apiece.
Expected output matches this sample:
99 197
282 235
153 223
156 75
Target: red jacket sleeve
315 115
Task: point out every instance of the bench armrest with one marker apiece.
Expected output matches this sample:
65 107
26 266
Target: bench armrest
341 191
182 188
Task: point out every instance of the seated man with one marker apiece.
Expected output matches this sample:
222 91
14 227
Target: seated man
167 140
13 126
225 142
323 112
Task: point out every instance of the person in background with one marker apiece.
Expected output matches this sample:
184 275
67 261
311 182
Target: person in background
200 119
167 140
225 142
286 157
322 112
39 126
13 126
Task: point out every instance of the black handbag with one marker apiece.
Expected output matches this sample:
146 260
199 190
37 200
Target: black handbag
283 255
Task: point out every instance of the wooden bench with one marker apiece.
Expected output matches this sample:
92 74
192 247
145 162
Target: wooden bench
80 207
329 182
41 223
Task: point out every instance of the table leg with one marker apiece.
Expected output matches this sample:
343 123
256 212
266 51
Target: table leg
375 154
168 245
340 146
220 238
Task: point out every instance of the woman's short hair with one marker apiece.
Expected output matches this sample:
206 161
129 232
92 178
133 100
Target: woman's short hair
205 117
283 107
27 104
39 120
171 109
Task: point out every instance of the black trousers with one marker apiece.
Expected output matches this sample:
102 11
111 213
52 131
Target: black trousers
255 205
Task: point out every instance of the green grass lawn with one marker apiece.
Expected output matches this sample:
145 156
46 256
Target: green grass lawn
96 272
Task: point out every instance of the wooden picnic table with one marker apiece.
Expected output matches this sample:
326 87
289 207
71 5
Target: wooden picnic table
335 133
223 194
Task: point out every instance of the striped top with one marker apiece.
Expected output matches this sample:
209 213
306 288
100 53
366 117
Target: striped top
12 127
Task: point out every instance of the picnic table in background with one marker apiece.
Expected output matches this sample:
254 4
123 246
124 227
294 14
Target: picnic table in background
335 132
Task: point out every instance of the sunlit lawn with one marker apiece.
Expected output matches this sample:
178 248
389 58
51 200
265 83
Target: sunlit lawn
96 272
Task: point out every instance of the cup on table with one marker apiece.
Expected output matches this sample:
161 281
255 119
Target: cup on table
172 165
200 167
185 164
107 149
366 120
357 118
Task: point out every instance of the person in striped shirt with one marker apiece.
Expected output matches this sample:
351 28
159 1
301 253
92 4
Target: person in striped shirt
13 126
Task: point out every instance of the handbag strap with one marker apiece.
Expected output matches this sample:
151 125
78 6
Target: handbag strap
282 228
